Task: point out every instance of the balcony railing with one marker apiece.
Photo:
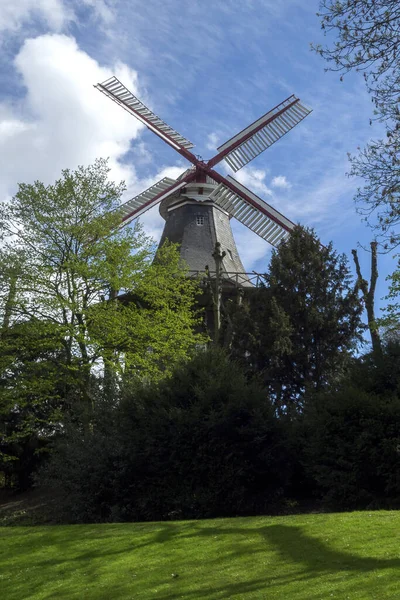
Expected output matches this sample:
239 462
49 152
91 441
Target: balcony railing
247 280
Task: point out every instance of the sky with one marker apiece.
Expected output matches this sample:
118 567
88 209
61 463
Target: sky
208 69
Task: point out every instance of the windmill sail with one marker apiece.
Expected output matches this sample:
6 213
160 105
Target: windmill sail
231 196
260 135
115 90
153 195
249 209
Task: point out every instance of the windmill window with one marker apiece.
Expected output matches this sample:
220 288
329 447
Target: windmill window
230 254
199 220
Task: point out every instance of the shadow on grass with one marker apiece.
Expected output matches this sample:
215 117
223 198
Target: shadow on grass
302 559
289 541
310 557
292 544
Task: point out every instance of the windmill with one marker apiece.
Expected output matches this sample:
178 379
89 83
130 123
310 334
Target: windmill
197 207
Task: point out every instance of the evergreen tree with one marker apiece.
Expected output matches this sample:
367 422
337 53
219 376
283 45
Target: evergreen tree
300 327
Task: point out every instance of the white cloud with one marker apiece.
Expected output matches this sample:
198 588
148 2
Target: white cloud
212 141
281 182
142 154
62 121
254 179
251 247
172 172
153 223
102 10
327 204
14 13
11 127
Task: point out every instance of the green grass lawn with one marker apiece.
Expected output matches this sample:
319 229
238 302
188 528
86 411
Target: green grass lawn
307 557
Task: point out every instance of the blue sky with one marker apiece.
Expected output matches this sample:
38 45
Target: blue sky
208 69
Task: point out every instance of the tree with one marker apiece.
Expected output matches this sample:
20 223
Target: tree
368 295
302 325
63 260
391 319
368 37
11 267
70 257
76 259
32 402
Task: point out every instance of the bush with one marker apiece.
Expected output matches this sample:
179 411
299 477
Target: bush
210 444
352 449
203 443
82 468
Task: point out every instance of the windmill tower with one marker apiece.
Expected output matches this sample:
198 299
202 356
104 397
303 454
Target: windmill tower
197 207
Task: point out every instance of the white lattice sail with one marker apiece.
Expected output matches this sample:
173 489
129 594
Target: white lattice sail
252 211
132 209
115 90
260 135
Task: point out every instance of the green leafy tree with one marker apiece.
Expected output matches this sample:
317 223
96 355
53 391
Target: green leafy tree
391 313
367 40
76 259
11 267
300 328
63 261
73 257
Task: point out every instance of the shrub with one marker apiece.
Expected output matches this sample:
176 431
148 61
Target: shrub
203 443
352 449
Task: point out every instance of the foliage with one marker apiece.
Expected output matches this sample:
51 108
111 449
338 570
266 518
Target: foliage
63 261
348 438
70 258
368 37
391 313
353 447
351 556
31 392
379 376
76 259
298 330
204 442
207 442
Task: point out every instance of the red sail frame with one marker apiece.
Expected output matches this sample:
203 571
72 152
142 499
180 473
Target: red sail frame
238 151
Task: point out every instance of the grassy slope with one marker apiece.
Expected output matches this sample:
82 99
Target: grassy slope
308 557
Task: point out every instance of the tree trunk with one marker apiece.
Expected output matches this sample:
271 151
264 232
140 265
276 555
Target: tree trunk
216 291
369 297
10 302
